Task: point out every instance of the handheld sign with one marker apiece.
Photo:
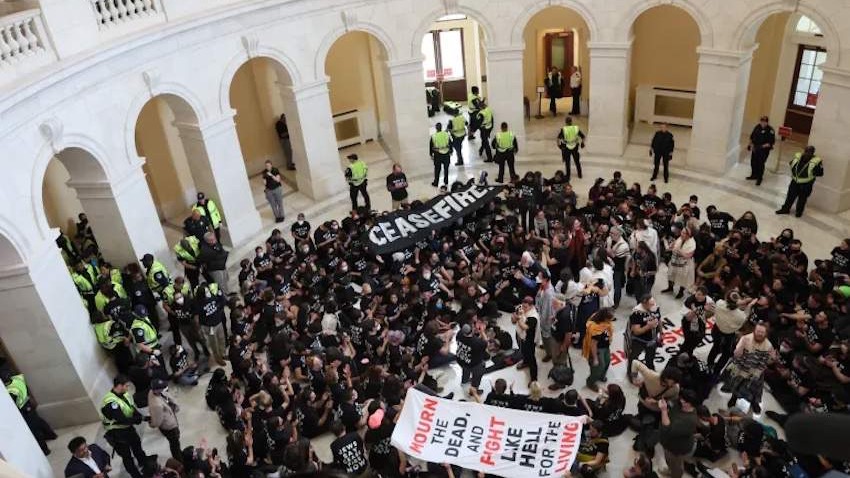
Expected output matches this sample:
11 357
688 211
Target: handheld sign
499 441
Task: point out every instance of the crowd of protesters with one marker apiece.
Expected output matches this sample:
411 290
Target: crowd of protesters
324 336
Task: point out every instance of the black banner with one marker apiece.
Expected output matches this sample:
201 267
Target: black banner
402 229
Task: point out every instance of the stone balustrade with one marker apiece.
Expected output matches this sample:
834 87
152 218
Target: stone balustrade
110 13
21 37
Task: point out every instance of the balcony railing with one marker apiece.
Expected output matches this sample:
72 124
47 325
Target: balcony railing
21 37
115 12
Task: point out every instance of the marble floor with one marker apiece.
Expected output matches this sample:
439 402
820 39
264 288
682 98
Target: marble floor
818 231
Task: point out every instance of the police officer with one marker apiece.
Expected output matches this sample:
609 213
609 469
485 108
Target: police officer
105 285
440 153
661 149
85 277
805 168
113 336
762 140
67 248
17 388
473 105
143 331
196 225
506 149
188 250
119 415
157 275
356 174
569 139
485 118
207 208
457 125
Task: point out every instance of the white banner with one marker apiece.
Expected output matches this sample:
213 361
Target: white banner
499 441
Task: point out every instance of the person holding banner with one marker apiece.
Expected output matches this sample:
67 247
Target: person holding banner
525 319
441 152
506 150
593 451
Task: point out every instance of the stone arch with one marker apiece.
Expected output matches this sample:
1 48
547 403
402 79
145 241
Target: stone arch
333 36
85 162
239 60
529 13
700 18
745 33
430 18
12 247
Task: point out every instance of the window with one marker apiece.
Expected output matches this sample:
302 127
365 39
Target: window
804 93
452 17
806 25
443 52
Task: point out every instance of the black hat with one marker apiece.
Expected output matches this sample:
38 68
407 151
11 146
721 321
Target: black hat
201 196
352 157
159 384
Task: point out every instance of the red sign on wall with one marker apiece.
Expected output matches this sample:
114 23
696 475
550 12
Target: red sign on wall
785 131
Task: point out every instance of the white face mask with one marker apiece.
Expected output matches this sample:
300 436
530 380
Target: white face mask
180 300
426 276
301 222
305 250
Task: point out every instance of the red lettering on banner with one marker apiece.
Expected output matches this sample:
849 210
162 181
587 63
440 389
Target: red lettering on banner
568 446
494 441
618 357
426 417
672 336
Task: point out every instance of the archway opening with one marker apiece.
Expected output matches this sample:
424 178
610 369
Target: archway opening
360 95
261 95
556 59
454 61
664 35
79 201
169 138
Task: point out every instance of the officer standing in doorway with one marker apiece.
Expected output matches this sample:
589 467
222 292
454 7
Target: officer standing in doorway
805 168
119 415
662 150
506 149
356 174
762 140
473 105
485 117
458 129
569 139
17 388
208 209
440 154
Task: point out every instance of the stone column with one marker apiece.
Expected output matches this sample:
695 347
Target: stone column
409 113
504 89
829 135
608 127
218 170
47 333
719 108
319 172
123 217
17 445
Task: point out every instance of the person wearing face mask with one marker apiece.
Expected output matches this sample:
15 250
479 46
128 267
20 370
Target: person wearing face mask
300 230
762 140
263 264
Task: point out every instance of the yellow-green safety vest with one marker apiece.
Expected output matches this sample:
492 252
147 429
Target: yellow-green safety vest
359 170
157 266
486 117
125 404
441 142
215 216
571 136
190 255
168 292
103 332
470 103
17 388
809 171
504 141
100 299
458 126
149 332
84 282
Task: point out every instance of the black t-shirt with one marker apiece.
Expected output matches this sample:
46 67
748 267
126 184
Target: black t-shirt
348 454
397 185
471 350
503 400
603 340
641 317
698 307
301 230
271 182
841 260
350 416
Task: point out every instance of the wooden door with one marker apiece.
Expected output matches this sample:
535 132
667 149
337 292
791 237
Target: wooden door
558 49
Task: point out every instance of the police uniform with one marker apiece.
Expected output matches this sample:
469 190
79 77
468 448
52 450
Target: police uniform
485 117
187 250
144 333
41 431
570 138
356 175
440 154
110 334
804 170
209 210
158 277
86 282
762 139
119 416
506 149
457 126
473 105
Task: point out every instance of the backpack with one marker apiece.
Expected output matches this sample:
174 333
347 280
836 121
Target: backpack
563 374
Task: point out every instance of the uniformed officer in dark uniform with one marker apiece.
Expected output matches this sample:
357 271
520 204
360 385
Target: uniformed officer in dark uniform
762 140
120 415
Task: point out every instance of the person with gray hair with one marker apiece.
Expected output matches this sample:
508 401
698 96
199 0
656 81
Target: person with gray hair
618 251
213 258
